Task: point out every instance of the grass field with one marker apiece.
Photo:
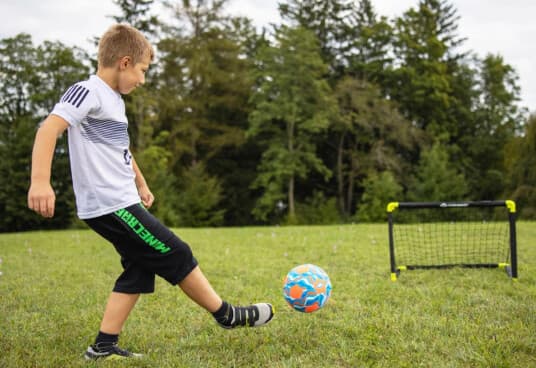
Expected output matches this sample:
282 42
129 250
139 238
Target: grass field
54 285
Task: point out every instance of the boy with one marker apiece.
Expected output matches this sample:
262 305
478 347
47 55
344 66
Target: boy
110 190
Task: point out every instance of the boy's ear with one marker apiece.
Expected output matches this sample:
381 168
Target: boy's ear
124 62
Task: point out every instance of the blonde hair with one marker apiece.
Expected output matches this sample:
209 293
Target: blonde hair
123 40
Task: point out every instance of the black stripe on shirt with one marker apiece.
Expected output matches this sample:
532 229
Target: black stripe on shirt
75 95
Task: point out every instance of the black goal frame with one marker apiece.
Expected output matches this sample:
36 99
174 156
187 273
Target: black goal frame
510 268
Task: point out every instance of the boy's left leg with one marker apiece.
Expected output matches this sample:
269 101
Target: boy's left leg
130 284
155 248
197 287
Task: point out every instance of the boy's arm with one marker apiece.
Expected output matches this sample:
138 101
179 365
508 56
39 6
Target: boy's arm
147 198
41 196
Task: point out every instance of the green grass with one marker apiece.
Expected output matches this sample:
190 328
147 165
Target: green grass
55 284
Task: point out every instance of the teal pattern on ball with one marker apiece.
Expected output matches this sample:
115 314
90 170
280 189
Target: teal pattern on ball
307 288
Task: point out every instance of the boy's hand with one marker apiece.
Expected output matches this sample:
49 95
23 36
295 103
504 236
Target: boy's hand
42 199
147 198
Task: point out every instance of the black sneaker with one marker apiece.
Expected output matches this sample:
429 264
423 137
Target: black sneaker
251 316
110 352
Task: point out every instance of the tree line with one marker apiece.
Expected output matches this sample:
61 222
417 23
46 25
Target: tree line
324 118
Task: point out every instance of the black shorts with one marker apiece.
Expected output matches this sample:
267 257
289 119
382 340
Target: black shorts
147 248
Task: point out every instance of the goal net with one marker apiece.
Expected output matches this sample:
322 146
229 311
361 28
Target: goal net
449 234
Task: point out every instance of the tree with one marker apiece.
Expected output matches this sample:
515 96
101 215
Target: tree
203 90
198 197
33 79
17 56
318 210
292 105
369 53
17 127
352 38
370 135
327 19
204 85
425 44
520 173
154 161
497 119
379 190
136 13
436 179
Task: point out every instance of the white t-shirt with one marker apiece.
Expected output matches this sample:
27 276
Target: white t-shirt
101 163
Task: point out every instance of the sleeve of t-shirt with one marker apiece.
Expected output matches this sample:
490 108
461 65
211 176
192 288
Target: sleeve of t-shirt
76 103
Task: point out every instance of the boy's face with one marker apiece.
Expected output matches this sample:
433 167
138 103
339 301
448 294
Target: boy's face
132 75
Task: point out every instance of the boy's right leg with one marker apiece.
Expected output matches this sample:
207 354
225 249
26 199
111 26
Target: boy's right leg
117 311
197 287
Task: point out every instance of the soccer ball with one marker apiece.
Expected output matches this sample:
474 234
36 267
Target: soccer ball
307 288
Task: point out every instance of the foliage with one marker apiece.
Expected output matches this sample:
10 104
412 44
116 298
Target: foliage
329 20
379 189
154 163
292 106
33 78
370 135
368 52
135 13
425 42
521 176
203 96
436 179
198 197
318 210
285 119
497 119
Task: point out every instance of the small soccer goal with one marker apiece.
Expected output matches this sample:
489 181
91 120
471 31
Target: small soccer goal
452 234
